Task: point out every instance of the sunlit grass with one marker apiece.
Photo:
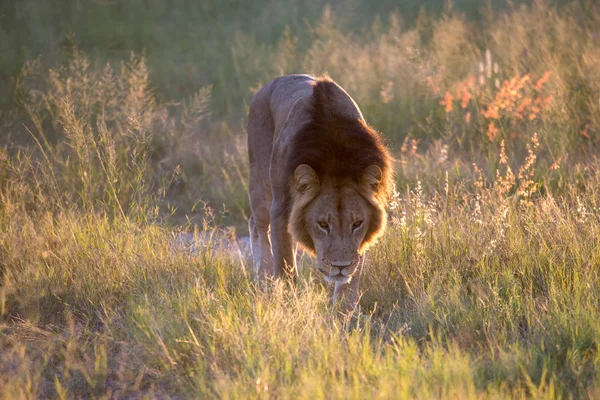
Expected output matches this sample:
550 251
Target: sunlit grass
485 284
457 303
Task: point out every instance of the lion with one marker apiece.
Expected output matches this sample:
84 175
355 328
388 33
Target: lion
320 178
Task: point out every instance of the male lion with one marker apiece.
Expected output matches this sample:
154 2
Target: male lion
319 176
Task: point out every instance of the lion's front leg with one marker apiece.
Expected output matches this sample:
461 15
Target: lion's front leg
284 257
348 293
261 248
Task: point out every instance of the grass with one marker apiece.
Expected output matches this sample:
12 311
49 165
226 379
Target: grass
484 286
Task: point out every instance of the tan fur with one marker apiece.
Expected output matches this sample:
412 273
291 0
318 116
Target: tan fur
319 177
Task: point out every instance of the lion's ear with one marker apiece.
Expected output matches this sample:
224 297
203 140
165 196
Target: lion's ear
305 177
372 176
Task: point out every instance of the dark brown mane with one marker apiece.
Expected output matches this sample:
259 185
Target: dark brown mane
338 146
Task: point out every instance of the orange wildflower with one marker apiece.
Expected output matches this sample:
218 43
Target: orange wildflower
447 101
466 97
546 101
585 131
524 103
523 80
470 82
492 131
540 83
491 112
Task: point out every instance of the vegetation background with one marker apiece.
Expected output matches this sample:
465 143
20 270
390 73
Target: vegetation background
122 125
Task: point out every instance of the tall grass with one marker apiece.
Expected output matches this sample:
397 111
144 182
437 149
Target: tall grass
484 286
100 142
473 292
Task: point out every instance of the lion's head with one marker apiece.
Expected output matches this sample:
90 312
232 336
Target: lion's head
336 220
340 185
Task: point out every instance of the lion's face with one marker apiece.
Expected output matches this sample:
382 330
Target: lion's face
336 220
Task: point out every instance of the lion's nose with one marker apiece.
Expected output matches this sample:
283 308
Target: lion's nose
341 264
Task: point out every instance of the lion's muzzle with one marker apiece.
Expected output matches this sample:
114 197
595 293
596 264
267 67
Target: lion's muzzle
338 271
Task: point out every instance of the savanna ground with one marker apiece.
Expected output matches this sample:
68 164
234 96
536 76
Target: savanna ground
122 124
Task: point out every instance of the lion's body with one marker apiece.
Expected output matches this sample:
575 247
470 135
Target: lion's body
312 157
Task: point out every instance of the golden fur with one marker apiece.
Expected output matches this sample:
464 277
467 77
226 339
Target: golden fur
319 176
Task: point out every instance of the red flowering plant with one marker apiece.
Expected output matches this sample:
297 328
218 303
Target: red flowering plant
488 109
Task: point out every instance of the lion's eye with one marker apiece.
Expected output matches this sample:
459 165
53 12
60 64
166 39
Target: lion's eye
356 225
323 225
